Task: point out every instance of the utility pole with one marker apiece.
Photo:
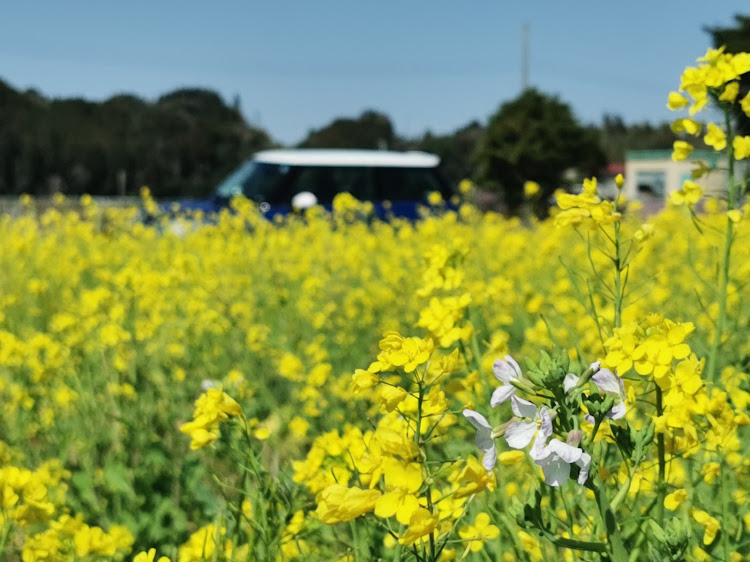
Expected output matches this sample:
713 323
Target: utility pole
525 57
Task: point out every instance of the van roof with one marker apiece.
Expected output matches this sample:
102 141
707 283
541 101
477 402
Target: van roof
342 157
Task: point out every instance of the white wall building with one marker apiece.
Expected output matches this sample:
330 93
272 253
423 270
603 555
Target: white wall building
653 175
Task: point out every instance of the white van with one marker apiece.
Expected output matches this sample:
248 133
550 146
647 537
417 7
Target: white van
279 180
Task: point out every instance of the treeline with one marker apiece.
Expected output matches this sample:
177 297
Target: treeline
185 142
180 145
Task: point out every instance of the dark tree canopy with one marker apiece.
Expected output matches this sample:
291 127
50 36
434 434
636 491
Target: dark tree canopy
535 137
736 40
617 137
456 150
182 145
371 130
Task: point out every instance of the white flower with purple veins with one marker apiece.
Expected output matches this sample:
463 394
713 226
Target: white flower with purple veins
537 423
505 372
608 383
555 460
485 441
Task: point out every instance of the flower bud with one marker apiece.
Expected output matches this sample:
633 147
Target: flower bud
646 435
499 431
619 181
574 437
588 373
536 378
522 385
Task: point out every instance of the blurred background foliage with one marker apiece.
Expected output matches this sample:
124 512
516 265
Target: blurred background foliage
185 142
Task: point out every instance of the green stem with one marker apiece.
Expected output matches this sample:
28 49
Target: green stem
661 485
618 276
6 533
724 509
726 257
616 546
355 540
574 544
423 458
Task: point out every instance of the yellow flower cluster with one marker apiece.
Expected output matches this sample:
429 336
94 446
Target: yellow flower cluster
718 74
211 408
649 346
34 514
717 71
689 195
585 208
69 538
696 414
380 471
210 542
112 325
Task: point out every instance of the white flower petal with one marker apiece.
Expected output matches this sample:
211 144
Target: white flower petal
502 394
566 452
477 420
523 408
484 440
546 427
556 471
618 411
585 463
607 381
490 458
520 433
538 448
514 365
506 370
570 381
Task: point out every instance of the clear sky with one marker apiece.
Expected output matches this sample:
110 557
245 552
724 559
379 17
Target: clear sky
296 65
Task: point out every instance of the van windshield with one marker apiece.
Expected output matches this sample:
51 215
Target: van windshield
254 180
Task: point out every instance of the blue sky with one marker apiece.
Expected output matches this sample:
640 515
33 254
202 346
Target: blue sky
433 65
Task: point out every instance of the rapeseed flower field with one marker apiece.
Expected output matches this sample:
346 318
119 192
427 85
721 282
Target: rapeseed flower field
331 387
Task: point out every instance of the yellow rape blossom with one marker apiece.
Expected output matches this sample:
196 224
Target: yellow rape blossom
741 147
730 92
585 208
745 104
530 189
482 530
689 195
677 101
715 137
398 351
211 408
338 503
681 150
421 524
675 499
710 525
710 471
149 556
686 125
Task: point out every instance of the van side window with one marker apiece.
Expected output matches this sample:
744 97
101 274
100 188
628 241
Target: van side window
326 181
405 184
266 182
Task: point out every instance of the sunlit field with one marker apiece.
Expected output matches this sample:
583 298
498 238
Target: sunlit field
333 387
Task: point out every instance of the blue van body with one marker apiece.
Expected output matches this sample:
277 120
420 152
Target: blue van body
397 183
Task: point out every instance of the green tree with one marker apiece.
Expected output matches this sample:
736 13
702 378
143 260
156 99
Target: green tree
182 145
618 137
736 39
535 137
371 130
456 150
